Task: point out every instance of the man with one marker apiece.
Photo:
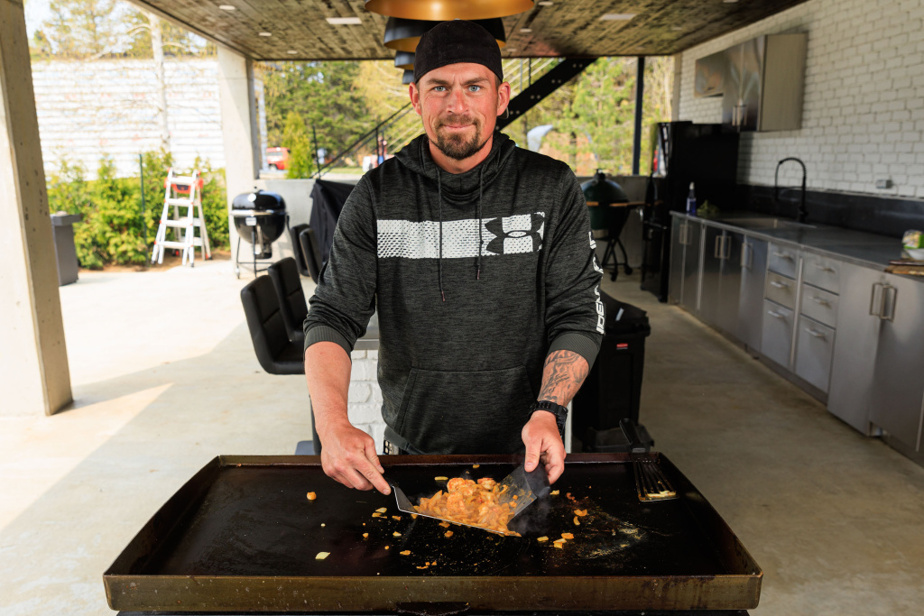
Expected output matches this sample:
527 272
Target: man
479 259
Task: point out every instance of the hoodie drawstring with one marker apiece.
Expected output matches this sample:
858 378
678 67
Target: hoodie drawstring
439 263
439 190
480 240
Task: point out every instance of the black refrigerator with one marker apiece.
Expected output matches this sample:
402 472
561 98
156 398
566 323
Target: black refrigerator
683 152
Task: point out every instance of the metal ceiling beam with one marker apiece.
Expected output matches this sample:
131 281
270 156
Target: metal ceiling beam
548 83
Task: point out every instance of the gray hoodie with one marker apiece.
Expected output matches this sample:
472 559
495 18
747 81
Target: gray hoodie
476 277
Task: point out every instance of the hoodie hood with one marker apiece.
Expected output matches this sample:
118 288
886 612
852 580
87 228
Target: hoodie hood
457 188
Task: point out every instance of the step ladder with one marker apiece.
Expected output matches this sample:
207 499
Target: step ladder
182 192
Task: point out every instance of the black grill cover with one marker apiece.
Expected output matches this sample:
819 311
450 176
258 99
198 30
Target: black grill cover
327 201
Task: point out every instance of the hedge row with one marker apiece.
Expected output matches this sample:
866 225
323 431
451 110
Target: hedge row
113 229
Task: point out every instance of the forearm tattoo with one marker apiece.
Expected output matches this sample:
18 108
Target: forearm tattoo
562 376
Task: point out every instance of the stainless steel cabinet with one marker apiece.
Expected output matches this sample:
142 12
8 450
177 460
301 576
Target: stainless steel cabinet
776 342
853 365
897 404
686 245
814 350
753 268
711 274
678 250
730 282
720 283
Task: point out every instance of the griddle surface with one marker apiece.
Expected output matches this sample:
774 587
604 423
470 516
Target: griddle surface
257 521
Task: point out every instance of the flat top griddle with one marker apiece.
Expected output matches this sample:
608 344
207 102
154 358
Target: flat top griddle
241 535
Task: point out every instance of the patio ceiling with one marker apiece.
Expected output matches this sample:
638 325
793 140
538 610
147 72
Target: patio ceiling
299 30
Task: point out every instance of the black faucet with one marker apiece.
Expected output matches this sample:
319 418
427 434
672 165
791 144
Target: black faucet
803 213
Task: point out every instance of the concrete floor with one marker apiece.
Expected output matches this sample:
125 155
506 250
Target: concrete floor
165 378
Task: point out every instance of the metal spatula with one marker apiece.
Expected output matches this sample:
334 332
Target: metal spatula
526 487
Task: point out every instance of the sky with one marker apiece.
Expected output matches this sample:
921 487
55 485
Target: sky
37 11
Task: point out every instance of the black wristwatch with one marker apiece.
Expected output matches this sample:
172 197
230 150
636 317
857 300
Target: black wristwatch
560 412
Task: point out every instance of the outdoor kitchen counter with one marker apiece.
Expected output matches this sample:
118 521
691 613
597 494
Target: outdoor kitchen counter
858 247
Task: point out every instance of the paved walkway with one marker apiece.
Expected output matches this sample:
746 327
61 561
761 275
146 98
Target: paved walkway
164 379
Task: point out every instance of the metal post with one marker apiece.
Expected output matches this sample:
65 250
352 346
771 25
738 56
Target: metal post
144 222
639 108
314 147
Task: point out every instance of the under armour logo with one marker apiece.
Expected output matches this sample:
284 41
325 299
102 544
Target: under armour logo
509 241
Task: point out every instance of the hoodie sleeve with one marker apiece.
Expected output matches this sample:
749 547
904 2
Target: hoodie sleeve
574 311
344 300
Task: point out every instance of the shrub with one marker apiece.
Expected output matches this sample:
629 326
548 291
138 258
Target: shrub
114 228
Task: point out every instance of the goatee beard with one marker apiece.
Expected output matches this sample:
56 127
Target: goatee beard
457 147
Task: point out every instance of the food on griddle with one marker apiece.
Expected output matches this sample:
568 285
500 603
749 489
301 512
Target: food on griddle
476 503
312 496
322 555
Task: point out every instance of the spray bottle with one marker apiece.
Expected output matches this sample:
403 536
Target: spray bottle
691 201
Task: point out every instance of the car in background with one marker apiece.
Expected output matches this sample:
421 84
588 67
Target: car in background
277 158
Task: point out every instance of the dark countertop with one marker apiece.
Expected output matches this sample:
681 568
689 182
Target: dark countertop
864 249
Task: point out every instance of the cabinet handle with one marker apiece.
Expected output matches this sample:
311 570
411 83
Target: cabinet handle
821 301
717 246
778 284
825 268
890 297
784 255
814 334
877 286
775 314
685 234
745 255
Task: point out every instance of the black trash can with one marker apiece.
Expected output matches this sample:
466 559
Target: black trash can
613 387
66 252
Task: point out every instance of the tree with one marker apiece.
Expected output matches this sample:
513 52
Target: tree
295 137
82 28
594 114
324 94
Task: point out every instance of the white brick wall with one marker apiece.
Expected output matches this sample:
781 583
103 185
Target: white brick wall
863 115
87 109
365 396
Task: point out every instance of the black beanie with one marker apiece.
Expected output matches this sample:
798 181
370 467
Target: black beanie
452 42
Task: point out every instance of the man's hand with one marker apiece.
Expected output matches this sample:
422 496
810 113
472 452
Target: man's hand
348 456
543 442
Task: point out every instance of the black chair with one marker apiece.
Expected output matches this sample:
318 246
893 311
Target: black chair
309 243
294 232
275 352
292 305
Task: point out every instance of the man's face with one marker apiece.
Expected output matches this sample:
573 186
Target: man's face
459 105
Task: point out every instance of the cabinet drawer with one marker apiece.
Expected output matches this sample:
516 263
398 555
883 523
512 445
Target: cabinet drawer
819 305
776 340
783 260
814 350
821 272
781 290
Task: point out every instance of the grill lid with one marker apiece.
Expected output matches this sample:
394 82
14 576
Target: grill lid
259 200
